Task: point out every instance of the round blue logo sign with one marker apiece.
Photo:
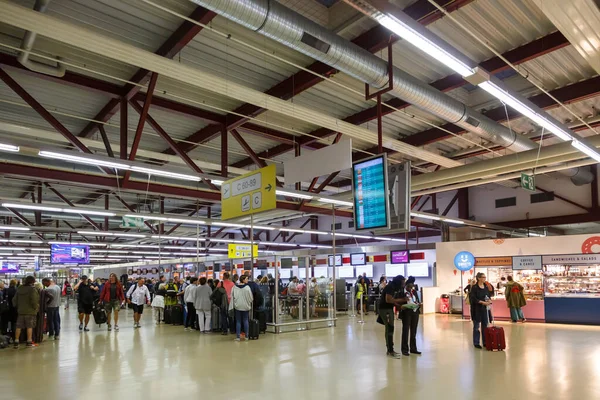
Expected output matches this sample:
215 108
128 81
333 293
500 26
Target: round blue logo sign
464 261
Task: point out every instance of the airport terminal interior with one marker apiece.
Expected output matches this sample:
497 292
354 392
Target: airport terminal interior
266 199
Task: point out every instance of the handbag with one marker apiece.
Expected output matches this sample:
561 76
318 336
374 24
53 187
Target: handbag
380 320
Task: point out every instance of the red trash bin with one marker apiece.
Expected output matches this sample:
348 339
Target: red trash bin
445 304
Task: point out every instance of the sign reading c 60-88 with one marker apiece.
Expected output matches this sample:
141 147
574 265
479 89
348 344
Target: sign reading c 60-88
248 194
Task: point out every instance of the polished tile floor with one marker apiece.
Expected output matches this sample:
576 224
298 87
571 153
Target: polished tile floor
348 362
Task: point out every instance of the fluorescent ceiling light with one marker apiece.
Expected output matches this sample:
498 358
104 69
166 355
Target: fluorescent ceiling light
198 239
216 182
21 241
337 202
316 246
167 174
31 207
8 248
587 150
343 234
187 221
79 243
388 239
423 43
425 216
14 228
138 246
149 217
292 230
513 102
362 237
293 194
453 221
9 147
264 228
319 232
88 212
82 160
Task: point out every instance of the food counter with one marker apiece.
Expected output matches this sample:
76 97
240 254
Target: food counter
572 294
533 311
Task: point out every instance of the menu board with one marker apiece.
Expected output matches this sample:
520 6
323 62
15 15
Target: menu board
358 259
369 184
69 254
321 272
400 257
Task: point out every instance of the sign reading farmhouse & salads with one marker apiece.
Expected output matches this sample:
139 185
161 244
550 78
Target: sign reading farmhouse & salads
571 259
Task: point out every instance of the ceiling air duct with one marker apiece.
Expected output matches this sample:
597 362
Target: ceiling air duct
271 19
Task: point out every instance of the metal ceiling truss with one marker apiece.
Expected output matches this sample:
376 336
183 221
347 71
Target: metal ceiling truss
173 45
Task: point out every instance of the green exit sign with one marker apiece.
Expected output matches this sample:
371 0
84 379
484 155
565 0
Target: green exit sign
528 182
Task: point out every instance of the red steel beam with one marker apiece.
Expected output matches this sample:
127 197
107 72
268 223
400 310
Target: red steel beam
173 45
106 142
106 182
142 121
123 129
255 159
172 144
70 203
373 40
10 82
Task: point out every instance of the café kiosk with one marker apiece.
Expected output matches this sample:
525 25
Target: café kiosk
525 270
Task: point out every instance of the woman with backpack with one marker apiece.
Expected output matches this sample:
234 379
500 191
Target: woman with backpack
515 299
112 296
220 300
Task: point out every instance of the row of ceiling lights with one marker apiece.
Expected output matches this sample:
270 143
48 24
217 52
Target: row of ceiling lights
407 29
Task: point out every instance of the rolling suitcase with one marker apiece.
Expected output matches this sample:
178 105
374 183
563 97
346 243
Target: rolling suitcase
216 318
167 315
176 314
253 329
262 321
99 314
494 336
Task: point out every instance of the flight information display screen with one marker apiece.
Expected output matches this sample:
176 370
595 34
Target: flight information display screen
371 210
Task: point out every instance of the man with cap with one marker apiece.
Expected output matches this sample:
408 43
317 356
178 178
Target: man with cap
85 301
390 299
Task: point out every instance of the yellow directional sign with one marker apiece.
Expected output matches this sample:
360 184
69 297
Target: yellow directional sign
248 194
241 250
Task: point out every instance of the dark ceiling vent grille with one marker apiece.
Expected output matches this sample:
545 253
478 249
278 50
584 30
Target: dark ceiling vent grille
507 202
542 197
472 121
315 43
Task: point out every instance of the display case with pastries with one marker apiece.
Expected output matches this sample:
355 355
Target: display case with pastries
532 282
572 281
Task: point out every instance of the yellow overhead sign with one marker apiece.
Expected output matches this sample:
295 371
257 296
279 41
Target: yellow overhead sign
241 250
249 194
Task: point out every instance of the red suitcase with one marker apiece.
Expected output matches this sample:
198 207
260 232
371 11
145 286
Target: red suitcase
494 338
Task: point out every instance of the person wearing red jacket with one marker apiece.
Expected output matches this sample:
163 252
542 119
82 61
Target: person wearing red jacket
112 296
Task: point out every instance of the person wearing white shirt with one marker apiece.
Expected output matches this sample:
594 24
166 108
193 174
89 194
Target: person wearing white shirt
138 295
188 298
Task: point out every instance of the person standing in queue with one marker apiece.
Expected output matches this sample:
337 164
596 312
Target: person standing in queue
480 296
410 319
112 296
386 311
85 302
138 295
27 303
53 307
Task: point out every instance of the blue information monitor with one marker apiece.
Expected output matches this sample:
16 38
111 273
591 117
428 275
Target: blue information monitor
370 190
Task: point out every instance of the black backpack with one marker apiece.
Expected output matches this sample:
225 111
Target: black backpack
217 296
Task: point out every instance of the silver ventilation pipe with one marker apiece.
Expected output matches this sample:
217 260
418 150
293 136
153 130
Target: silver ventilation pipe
271 19
27 45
